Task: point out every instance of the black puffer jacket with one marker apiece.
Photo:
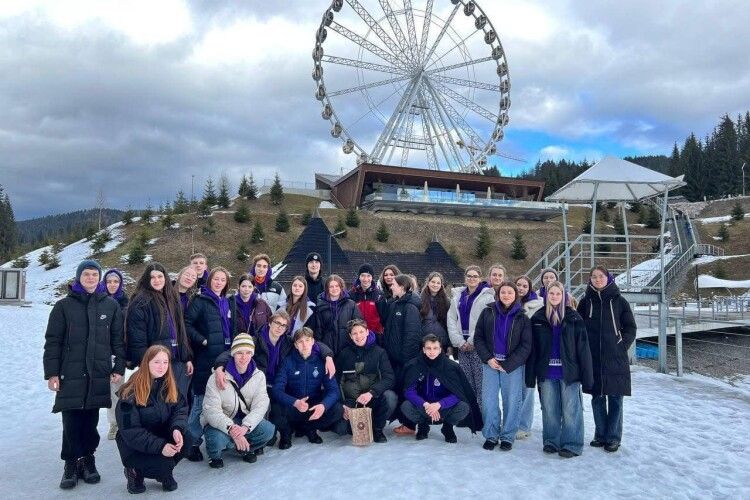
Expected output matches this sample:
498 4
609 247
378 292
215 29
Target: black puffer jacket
203 323
83 333
331 330
146 429
144 327
519 338
574 349
363 369
611 330
403 330
431 324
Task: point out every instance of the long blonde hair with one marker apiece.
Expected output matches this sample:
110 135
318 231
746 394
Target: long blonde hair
141 381
555 314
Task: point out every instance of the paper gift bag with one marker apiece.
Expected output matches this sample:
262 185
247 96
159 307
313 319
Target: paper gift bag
361 422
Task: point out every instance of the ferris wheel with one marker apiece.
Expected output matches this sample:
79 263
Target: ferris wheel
411 86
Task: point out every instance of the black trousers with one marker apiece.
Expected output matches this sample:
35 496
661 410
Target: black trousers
79 437
153 466
286 419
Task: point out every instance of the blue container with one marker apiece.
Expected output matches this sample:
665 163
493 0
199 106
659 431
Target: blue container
647 351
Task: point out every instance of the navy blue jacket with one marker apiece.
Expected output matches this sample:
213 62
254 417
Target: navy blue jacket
299 377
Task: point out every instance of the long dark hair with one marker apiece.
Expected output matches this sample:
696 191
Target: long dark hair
168 300
385 288
300 306
442 302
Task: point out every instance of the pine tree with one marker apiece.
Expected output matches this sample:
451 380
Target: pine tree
484 243
282 222
340 228
518 251
252 189
100 241
586 227
305 219
52 262
143 238
352 217
619 225
167 220
635 207
723 232
223 198
210 227
653 219
242 191
204 209
242 215
137 254
209 193
181 204
604 215
147 213
725 178
675 164
257 234
242 253
21 262
738 213
8 230
127 216
44 256
277 191
382 235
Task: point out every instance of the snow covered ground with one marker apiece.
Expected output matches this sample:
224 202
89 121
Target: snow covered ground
721 218
683 438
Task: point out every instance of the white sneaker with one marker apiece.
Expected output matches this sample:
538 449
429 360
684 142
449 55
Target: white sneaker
112 434
523 434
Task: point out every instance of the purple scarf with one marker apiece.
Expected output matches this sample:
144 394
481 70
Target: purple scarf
185 301
262 287
119 292
172 333
529 296
503 324
240 378
223 304
78 288
274 352
554 371
464 306
335 304
245 308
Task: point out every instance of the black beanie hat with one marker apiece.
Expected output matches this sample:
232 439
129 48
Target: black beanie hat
366 268
313 256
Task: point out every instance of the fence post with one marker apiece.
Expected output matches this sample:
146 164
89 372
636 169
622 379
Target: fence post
678 345
649 316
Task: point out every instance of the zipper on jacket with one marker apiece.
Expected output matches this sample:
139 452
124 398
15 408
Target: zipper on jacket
601 324
614 323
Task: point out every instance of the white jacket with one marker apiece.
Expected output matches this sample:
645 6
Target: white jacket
533 306
220 407
455 333
297 321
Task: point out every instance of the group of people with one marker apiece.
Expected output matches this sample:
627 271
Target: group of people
256 367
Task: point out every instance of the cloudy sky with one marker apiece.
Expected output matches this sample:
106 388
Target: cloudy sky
136 97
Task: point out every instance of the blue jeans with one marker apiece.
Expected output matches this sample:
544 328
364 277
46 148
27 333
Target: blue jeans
510 387
217 441
527 409
194 420
562 415
607 418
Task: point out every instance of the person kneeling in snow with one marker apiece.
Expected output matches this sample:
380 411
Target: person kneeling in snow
303 395
152 418
437 391
366 377
233 416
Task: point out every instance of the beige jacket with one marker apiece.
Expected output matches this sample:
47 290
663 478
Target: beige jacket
220 407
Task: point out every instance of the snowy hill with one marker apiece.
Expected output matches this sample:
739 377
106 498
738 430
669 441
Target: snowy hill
683 438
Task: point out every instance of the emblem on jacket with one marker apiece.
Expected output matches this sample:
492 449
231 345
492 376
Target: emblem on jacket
316 372
103 316
436 383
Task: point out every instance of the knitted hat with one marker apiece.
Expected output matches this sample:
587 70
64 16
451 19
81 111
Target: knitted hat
549 270
88 264
366 268
243 341
312 256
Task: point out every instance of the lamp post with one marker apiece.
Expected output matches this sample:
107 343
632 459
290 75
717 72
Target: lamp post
743 179
330 237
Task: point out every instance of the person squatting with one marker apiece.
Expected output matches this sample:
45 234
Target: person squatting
238 372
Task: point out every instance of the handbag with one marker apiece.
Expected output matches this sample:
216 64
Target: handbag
361 421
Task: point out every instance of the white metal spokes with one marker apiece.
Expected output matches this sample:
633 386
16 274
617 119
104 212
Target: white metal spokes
433 77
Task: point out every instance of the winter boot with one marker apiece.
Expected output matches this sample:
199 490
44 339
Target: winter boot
489 445
112 434
506 446
215 463
249 457
566 453
422 431
87 470
168 483
70 475
596 443
195 455
450 435
378 436
135 481
611 447
314 437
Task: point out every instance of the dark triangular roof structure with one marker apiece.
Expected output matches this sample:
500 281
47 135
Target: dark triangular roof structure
345 263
